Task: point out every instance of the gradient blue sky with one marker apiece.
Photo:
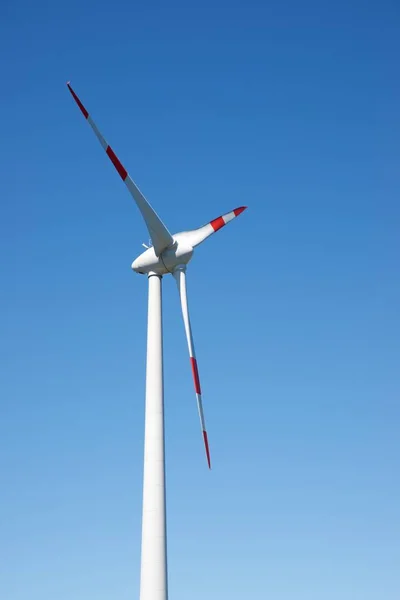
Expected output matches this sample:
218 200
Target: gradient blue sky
293 109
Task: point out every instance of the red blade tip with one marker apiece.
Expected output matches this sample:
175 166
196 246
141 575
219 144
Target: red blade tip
239 210
79 103
205 437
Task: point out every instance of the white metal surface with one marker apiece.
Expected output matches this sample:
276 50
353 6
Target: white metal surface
179 253
153 577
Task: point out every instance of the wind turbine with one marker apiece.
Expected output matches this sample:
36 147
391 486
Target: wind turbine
168 254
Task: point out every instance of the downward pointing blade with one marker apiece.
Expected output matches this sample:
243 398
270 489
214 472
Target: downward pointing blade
159 234
180 277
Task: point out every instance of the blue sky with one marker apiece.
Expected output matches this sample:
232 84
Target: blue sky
292 109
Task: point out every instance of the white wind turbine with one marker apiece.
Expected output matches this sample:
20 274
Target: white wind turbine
168 254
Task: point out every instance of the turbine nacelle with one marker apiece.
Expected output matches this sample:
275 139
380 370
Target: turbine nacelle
179 253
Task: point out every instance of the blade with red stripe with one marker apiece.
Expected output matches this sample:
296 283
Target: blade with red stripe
196 236
159 234
180 277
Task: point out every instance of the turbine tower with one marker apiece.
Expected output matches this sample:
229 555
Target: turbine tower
169 254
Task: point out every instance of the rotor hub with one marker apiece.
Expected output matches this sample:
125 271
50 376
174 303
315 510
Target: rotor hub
179 253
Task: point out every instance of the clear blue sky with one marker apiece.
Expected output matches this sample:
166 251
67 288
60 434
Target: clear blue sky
293 109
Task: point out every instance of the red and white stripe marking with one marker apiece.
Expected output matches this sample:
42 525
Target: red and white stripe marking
197 388
196 236
180 277
219 222
123 173
160 235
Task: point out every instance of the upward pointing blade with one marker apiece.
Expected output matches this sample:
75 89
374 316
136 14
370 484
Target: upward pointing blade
196 236
159 234
180 277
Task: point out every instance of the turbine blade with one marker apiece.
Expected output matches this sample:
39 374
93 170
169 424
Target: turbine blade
196 236
180 277
159 234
